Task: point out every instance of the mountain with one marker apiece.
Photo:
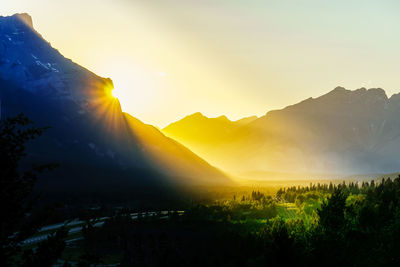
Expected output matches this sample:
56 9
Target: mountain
342 132
201 134
97 145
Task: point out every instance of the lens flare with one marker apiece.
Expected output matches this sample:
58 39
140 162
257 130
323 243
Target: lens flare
114 93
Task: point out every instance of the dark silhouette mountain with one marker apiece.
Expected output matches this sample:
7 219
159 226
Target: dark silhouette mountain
342 132
97 145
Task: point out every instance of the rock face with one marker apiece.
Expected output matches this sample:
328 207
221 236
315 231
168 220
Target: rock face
343 131
25 18
97 145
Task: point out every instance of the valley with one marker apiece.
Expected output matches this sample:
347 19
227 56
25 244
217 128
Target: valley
311 179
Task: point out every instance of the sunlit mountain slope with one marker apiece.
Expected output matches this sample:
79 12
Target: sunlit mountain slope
341 132
202 134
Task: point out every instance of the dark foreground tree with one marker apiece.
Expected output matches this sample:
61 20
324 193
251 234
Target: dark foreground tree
17 219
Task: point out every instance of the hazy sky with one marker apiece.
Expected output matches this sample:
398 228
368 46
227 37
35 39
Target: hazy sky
171 58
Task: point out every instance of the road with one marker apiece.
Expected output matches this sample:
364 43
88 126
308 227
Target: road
98 222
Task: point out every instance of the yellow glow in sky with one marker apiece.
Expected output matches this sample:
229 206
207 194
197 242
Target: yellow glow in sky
171 58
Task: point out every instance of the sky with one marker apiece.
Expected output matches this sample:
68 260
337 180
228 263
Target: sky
237 58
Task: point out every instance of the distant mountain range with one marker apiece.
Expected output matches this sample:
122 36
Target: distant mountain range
97 145
342 132
202 133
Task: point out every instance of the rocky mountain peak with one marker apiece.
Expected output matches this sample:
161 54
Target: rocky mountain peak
377 92
339 89
25 18
341 92
196 115
223 118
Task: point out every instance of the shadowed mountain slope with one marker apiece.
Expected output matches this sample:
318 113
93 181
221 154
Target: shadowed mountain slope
97 145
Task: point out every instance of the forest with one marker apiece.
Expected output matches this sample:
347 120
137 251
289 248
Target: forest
329 225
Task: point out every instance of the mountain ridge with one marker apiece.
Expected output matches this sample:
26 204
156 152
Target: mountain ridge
342 131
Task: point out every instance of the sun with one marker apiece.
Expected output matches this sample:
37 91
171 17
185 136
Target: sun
114 93
134 86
